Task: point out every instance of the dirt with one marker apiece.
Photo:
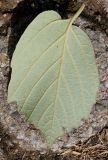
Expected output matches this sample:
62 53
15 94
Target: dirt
19 139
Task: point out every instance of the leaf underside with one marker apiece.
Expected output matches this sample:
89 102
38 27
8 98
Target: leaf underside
54 76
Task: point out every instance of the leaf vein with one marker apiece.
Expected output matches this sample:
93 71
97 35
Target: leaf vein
42 96
78 75
40 79
34 63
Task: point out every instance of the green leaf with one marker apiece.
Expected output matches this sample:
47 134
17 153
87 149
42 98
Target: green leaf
54 75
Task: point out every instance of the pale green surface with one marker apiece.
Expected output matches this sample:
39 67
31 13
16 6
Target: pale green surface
54 76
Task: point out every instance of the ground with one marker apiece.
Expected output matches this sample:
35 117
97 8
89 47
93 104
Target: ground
19 139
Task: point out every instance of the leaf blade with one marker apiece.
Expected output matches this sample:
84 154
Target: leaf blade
57 78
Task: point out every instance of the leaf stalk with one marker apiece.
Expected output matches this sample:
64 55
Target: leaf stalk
77 13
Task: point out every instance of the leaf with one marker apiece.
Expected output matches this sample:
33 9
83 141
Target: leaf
54 75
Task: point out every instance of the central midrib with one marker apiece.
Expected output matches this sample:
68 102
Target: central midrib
60 72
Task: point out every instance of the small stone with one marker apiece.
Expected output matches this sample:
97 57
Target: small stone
3 58
106 84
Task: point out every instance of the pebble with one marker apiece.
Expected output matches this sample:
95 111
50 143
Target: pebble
106 84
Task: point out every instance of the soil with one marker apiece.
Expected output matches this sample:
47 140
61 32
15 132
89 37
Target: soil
19 140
